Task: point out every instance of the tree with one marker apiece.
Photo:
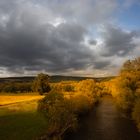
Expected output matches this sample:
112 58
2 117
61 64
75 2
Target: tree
129 84
131 66
41 84
59 113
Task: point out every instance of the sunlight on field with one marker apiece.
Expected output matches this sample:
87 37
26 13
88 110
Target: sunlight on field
21 107
7 99
20 121
18 104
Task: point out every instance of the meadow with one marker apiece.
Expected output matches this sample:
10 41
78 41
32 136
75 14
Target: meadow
6 99
19 119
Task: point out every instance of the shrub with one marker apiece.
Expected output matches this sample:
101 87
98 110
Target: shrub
136 113
88 88
59 113
125 100
68 88
128 84
81 104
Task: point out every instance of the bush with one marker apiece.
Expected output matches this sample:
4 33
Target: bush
16 87
81 104
64 86
88 88
128 84
68 88
125 100
10 88
136 113
59 113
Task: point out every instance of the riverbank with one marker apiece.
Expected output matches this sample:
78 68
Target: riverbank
105 122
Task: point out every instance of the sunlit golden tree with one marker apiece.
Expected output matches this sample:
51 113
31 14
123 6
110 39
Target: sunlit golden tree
129 84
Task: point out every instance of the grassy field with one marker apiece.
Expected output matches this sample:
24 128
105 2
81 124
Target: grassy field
11 99
19 119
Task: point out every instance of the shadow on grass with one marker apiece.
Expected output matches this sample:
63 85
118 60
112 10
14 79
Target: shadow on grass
22 126
18 124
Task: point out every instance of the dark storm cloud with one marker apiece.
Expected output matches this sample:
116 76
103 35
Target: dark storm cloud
46 47
92 42
29 41
101 64
117 41
50 35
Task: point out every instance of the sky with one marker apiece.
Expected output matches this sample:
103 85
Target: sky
68 37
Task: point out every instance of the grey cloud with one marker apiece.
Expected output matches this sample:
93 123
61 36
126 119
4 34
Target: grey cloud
101 64
117 41
30 42
85 11
43 47
92 42
7 5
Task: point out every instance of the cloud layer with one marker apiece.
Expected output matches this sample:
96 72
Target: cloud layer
117 41
52 36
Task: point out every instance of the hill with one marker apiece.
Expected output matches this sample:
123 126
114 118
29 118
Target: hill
55 78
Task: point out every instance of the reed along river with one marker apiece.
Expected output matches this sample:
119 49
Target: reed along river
105 123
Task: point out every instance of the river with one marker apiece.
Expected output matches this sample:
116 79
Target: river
105 122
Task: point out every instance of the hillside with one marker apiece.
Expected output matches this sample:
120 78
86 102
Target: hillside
55 78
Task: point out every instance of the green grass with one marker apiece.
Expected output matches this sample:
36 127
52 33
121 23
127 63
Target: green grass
21 122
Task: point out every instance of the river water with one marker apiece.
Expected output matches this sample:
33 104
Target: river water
105 122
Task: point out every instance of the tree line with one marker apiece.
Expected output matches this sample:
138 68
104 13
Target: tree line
40 85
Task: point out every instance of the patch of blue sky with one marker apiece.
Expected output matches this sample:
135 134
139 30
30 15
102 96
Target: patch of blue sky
130 17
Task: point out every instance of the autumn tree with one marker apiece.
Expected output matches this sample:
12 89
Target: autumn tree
88 88
59 113
41 84
129 84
